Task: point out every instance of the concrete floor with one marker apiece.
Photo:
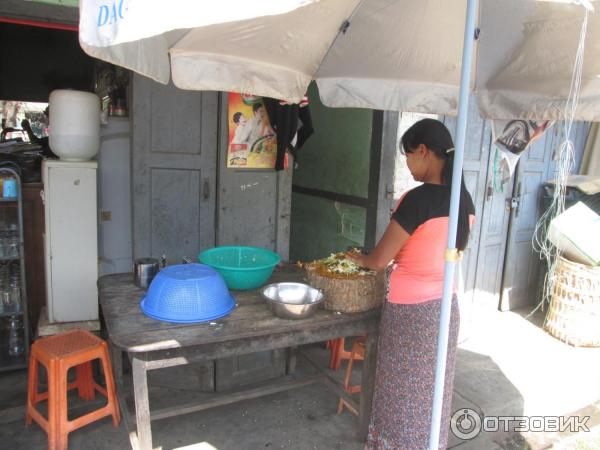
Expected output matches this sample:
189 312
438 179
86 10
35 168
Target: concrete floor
509 366
506 366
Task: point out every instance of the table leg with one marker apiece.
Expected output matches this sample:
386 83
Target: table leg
367 384
290 360
142 404
116 357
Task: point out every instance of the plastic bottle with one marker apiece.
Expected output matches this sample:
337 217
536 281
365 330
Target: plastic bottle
15 338
74 133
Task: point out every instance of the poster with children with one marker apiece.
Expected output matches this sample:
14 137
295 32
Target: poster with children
252 141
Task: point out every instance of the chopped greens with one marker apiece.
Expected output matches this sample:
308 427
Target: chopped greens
339 264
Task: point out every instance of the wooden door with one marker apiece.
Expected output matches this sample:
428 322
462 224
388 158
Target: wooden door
477 150
174 154
521 282
492 242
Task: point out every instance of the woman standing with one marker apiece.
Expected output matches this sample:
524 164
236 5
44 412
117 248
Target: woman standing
415 242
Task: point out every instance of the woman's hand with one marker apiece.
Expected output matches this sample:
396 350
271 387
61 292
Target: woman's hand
357 258
386 249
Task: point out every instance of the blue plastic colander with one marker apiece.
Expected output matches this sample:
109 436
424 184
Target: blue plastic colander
187 293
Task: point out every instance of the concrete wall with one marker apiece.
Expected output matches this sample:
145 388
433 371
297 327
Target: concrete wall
334 159
253 205
114 197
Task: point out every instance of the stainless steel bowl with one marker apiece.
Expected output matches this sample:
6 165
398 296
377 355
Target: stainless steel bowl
292 300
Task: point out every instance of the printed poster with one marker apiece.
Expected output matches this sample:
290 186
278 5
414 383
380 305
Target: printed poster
252 141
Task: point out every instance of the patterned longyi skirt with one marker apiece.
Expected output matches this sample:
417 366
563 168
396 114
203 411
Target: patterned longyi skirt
404 380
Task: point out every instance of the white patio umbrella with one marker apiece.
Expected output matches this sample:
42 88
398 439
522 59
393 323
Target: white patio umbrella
401 55
385 54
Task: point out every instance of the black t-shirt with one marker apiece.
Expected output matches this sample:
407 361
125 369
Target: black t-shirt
425 202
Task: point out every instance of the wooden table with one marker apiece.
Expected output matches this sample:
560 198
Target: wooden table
151 344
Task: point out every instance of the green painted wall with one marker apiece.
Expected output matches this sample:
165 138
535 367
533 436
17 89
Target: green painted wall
334 159
320 227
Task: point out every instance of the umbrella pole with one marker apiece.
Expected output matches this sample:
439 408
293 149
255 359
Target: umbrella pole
461 128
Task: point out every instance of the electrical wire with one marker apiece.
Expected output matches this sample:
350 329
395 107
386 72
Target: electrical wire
549 252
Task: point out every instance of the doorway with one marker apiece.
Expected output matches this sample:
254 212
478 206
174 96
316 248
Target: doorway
500 269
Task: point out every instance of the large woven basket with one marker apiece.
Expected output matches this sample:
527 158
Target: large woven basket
348 295
574 313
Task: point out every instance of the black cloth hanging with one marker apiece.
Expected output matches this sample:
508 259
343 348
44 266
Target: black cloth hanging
285 120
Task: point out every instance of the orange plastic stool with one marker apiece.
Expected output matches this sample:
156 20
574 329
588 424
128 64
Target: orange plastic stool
357 353
77 348
338 353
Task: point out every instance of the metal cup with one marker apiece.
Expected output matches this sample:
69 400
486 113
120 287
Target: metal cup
144 270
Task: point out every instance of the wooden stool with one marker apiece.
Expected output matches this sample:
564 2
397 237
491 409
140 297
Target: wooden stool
77 348
357 353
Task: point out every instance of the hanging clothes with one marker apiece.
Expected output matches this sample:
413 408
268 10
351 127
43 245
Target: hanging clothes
292 124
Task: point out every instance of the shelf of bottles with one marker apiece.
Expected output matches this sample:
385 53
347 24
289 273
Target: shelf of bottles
14 323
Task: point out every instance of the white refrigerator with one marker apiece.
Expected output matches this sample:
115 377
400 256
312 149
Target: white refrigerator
71 240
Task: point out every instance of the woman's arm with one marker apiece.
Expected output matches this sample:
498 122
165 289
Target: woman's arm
386 249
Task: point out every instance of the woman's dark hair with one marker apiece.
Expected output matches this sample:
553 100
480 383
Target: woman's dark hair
436 137
236 117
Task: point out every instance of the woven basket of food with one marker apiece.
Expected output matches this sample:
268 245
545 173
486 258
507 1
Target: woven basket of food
574 312
347 287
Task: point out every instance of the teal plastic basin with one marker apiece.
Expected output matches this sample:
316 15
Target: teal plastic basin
242 268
